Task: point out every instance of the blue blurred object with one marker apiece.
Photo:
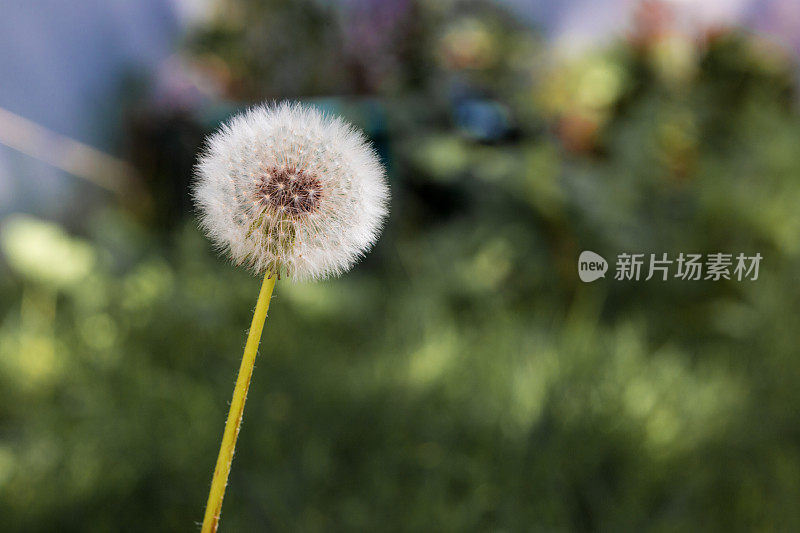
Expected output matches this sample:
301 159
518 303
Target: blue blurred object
482 120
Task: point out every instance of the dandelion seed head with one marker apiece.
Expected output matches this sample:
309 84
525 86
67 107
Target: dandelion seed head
287 189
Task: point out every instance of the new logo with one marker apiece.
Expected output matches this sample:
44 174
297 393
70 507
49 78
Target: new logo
591 266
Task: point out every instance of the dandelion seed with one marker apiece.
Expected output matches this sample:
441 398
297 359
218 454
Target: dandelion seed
284 189
314 173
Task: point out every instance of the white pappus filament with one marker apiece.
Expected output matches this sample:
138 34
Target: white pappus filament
287 189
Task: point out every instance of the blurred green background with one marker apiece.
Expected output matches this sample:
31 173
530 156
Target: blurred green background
461 378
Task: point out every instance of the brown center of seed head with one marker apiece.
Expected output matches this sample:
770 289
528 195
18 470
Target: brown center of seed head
290 190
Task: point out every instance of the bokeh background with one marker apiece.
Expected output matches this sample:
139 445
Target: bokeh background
461 378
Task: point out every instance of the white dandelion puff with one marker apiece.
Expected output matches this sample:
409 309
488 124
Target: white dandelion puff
287 189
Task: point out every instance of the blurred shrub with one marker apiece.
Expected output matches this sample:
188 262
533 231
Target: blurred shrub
461 378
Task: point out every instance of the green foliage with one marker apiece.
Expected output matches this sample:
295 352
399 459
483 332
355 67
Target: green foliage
461 378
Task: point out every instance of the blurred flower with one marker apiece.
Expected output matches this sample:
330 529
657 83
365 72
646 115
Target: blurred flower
674 58
668 40
468 45
286 188
43 252
653 20
599 84
580 95
578 132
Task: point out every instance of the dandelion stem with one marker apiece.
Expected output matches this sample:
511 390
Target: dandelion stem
223 468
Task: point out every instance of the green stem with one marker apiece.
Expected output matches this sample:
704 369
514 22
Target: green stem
223 468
